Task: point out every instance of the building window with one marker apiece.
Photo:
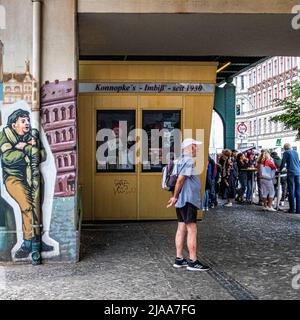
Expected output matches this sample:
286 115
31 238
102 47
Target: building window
275 67
288 62
254 78
46 116
259 75
243 106
63 113
250 128
169 121
264 99
66 161
275 93
270 125
60 186
250 79
264 72
259 126
242 83
119 123
259 101
73 159
281 91
71 134
64 135
265 125
59 161
270 97
57 137
288 88
71 184
281 65
55 111
71 112
49 138
270 70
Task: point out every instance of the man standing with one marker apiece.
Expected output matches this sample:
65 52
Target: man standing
187 200
21 152
290 159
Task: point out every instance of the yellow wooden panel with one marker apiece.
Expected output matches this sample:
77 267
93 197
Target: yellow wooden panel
115 197
115 102
198 115
153 199
161 102
95 71
153 204
85 118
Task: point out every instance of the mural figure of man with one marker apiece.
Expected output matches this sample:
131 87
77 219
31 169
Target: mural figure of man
21 152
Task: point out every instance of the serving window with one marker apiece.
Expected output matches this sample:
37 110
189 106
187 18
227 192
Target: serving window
113 127
165 121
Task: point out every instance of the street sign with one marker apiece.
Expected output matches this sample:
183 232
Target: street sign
242 128
278 143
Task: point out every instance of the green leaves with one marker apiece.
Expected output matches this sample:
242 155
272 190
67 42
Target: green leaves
291 106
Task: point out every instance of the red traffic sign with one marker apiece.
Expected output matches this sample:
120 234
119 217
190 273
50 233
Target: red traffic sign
242 128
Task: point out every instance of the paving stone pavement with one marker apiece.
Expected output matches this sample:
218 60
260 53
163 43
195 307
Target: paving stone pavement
251 252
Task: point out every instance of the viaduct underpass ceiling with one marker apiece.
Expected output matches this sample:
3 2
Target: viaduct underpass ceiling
242 39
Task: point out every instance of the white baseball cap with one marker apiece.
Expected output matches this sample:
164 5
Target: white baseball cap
187 142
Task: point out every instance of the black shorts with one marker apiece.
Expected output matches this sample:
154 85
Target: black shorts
187 214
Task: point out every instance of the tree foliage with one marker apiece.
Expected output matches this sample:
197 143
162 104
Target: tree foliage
291 107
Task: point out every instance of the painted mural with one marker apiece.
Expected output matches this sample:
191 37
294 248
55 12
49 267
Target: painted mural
22 149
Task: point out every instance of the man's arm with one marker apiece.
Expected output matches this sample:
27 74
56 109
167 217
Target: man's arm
178 187
11 155
283 162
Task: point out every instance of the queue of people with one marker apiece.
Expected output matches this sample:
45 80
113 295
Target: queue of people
235 176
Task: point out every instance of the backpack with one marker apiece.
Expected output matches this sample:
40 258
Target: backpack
168 178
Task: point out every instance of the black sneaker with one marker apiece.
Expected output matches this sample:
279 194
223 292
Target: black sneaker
197 266
180 263
23 252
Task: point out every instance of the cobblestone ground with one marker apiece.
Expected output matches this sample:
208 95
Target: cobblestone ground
251 252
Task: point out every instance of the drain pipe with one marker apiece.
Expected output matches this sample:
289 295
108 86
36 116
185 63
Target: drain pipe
36 181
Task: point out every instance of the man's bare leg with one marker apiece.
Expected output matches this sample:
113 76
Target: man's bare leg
179 239
192 240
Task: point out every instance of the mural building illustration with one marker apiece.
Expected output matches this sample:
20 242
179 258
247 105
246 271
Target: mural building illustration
58 114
